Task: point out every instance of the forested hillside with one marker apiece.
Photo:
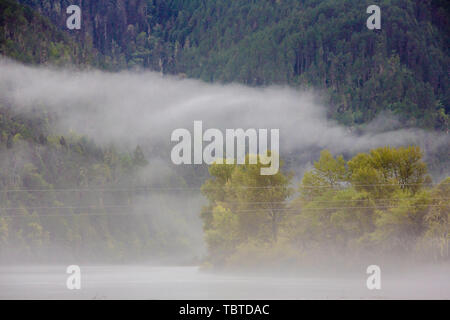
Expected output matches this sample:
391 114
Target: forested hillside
402 68
29 37
65 197
61 192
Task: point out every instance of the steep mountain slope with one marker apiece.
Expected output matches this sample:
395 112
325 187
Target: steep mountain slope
402 68
29 37
65 192
58 197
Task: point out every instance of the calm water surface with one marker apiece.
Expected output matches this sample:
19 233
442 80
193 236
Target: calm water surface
150 282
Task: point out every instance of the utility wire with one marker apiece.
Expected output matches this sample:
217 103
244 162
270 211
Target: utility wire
250 211
227 202
137 188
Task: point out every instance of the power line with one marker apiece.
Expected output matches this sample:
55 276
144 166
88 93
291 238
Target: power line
227 202
137 188
250 211
336 208
322 201
68 207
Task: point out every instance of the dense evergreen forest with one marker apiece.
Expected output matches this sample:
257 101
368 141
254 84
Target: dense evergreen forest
27 36
64 193
401 69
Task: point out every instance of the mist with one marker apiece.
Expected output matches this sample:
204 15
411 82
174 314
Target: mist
132 108
145 107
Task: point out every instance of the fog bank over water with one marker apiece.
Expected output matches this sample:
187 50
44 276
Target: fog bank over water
130 108
144 282
143 107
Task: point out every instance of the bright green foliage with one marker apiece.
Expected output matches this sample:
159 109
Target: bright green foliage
384 169
223 235
436 241
377 204
328 172
244 203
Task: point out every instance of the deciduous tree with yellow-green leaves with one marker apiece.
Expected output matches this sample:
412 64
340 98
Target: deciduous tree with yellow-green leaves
380 203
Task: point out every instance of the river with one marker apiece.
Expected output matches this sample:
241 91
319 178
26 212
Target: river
157 282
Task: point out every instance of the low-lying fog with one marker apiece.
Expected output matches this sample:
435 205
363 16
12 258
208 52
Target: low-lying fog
144 107
146 282
130 108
